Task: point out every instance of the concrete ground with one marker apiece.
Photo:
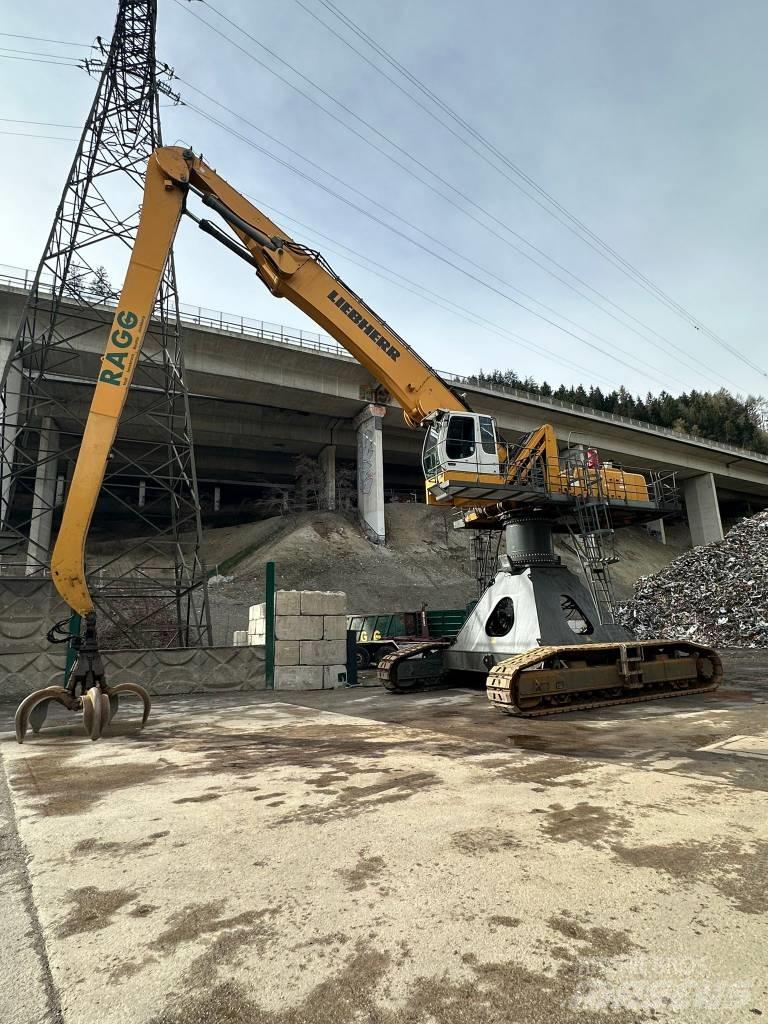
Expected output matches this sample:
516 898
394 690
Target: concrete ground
346 856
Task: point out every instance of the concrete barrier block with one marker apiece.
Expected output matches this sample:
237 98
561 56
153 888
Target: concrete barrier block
240 638
334 627
298 627
334 675
287 652
288 602
323 652
257 611
323 602
299 677
255 639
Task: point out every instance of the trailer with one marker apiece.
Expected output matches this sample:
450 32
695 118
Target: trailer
380 634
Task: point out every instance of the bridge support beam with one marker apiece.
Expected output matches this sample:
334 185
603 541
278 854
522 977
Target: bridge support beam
327 462
702 509
657 530
370 472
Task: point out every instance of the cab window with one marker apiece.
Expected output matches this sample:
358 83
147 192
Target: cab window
460 438
430 458
487 435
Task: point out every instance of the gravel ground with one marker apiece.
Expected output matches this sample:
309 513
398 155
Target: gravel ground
356 857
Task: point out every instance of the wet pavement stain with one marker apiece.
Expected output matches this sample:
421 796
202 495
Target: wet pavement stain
367 870
738 872
491 993
143 910
352 801
58 791
202 799
114 848
602 942
124 970
199 919
585 823
552 771
245 933
92 909
485 840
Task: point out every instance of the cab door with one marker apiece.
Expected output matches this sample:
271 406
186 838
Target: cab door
488 445
469 444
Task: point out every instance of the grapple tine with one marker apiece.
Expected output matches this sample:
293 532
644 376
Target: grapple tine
95 711
114 705
137 691
38 715
34 708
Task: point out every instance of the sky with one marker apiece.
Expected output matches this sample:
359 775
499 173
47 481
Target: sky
645 121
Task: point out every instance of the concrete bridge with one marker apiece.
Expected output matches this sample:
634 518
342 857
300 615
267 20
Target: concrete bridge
260 394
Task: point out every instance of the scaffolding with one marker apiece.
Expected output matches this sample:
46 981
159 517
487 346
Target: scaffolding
484 547
144 565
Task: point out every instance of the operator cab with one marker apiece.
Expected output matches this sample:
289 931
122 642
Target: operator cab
461 446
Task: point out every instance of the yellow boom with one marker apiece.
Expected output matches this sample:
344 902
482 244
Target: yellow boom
289 271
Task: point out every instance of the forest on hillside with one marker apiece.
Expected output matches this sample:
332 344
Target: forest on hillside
717 415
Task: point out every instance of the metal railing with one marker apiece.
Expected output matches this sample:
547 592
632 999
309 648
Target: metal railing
200 316
232 323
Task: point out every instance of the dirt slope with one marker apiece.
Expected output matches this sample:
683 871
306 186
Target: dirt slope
425 560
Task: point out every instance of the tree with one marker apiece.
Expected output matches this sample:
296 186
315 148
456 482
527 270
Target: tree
718 415
100 284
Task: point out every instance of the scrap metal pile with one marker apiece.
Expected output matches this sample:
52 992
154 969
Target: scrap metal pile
715 594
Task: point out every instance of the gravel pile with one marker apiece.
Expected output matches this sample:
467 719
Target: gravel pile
715 594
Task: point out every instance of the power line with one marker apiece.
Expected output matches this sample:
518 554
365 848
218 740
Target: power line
437 255
26 135
37 53
34 60
46 124
669 344
41 39
401 281
576 225
403 220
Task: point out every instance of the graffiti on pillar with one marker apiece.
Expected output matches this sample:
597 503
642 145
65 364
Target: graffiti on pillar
366 460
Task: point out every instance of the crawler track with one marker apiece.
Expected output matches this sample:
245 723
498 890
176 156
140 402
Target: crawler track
553 680
424 672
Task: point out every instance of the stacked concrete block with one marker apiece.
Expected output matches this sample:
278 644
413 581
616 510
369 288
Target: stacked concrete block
310 639
257 625
240 638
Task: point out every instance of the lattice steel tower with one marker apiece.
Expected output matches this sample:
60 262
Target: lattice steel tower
144 563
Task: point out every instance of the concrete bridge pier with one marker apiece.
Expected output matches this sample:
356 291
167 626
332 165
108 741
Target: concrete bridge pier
327 461
370 471
702 509
657 530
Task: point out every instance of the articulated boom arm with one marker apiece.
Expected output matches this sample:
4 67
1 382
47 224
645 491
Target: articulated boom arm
287 268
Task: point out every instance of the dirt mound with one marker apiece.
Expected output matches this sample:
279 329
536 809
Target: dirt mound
715 594
424 561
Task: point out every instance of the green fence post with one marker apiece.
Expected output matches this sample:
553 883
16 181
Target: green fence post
269 609
75 623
